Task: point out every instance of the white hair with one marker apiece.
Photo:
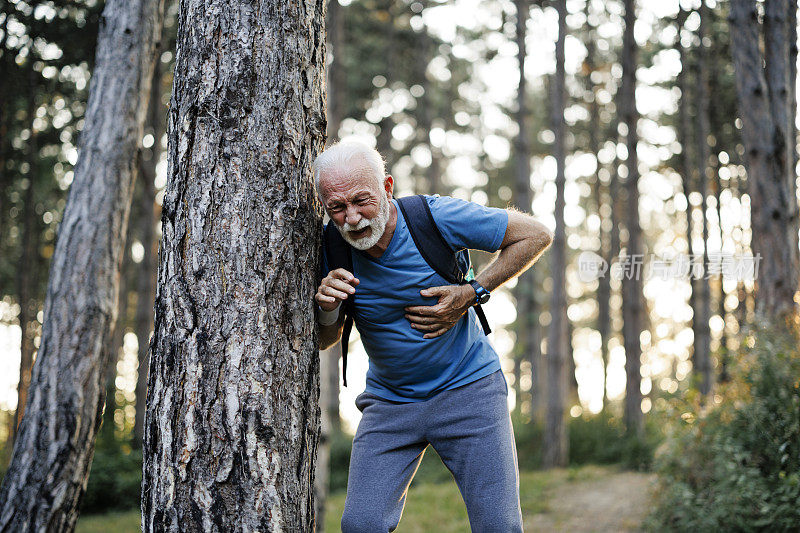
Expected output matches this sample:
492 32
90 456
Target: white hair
349 154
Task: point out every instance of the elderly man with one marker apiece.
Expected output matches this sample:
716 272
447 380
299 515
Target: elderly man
433 376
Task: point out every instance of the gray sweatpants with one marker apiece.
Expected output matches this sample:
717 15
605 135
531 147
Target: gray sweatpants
470 429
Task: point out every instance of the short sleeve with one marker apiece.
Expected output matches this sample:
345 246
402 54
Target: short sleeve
467 224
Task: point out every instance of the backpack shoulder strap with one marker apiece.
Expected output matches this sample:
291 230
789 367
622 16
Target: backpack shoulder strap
453 265
339 255
429 240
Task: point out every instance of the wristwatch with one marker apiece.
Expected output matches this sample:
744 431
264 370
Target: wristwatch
481 294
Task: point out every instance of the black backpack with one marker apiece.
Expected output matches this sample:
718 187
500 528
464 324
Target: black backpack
454 266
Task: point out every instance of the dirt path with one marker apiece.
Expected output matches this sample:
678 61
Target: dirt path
603 500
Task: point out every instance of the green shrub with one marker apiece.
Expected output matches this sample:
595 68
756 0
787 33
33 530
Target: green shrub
601 439
593 439
114 481
734 464
339 461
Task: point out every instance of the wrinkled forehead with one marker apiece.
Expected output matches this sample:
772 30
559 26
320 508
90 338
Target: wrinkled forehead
349 178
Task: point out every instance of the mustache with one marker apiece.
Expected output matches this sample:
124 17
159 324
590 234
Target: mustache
363 223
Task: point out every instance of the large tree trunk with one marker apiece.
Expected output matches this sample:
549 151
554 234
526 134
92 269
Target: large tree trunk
149 214
632 308
556 446
702 341
233 421
47 476
763 104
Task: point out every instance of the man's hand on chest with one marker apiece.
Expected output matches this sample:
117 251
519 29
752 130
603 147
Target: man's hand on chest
435 320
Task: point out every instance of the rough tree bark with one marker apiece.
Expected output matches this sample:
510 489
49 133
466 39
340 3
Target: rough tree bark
47 476
232 422
556 446
763 104
632 308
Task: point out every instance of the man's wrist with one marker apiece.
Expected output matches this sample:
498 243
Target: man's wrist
328 318
481 292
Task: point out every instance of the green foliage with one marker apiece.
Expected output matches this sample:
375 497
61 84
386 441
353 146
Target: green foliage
595 439
734 465
114 481
601 439
339 460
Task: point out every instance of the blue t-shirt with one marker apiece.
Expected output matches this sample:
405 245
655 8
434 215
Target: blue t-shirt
403 366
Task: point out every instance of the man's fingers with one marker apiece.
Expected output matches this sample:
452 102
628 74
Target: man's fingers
434 291
324 298
341 286
330 291
435 333
427 327
424 310
343 274
421 319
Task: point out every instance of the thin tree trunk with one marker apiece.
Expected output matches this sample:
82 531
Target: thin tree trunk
599 193
322 464
5 109
117 339
233 422
47 476
149 213
527 334
556 446
5 65
631 284
615 246
26 266
772 190
714 110
433 173
791 27
336 73
687 170
703 331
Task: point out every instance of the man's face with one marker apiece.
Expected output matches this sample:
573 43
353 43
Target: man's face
357 204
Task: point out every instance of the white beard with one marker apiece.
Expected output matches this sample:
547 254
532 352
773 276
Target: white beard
378 225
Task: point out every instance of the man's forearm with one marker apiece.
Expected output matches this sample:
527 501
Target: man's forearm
330 335
513 260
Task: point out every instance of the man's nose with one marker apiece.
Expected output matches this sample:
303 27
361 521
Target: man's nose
351 215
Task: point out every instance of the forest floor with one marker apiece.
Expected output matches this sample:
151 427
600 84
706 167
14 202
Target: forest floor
593 499
584 499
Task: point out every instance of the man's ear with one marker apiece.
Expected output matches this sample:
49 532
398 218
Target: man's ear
388 185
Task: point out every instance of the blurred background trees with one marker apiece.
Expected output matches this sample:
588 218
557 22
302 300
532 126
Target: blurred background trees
677 138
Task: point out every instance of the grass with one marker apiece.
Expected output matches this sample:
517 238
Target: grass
121 522
429 506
